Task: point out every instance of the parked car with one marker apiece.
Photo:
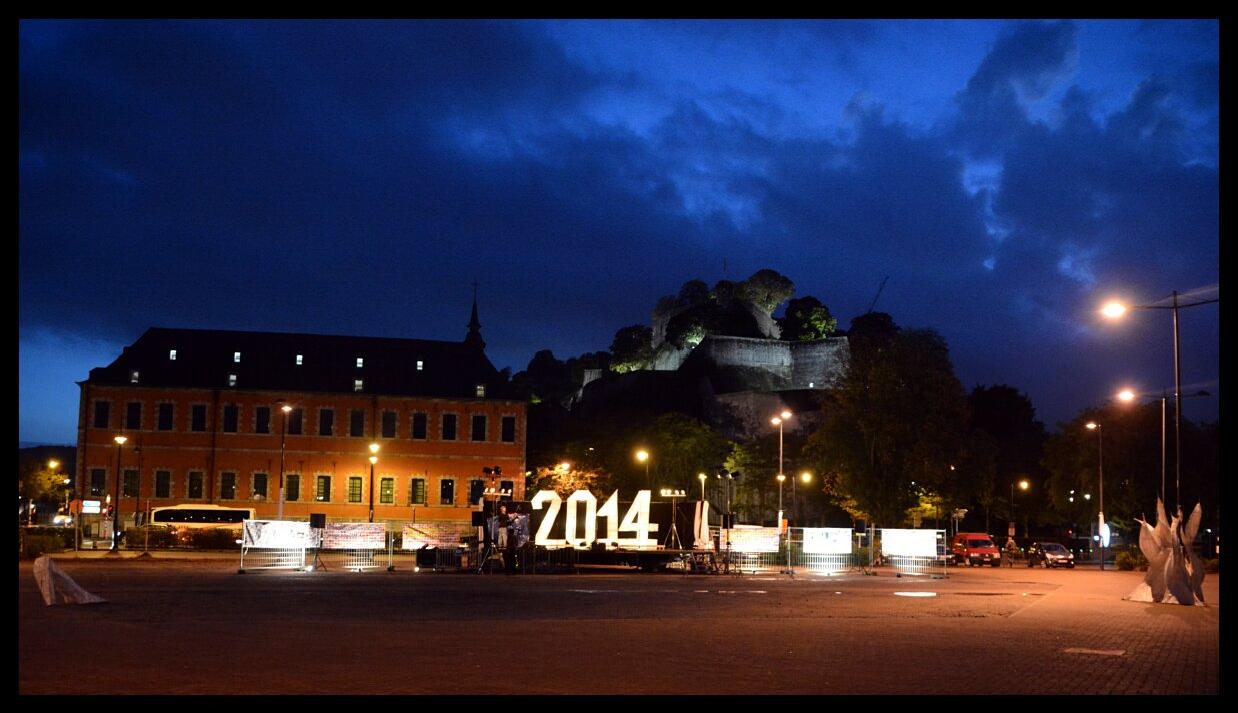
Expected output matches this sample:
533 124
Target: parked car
1049 554
975 548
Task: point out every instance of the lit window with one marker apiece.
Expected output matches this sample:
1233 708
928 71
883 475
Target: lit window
236 357
298 360
360 362
133 376
172 355
231 379
481 390
420 365
357 384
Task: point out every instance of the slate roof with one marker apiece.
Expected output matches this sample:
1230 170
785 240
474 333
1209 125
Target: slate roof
205 359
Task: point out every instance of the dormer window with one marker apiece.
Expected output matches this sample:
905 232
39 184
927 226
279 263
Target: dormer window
236 357
358 384
420 365
360 362
231 379
298 360
171 355
133 376
481 391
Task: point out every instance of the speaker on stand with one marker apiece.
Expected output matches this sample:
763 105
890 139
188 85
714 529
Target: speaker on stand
318 523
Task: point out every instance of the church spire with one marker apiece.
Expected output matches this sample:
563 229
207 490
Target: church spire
473 338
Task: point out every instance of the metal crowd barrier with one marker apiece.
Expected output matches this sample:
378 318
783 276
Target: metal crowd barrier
261 558
358 560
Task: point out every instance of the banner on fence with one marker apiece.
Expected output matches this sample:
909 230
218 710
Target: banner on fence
909 543
277 534
827 540
433 534
354 536
753 539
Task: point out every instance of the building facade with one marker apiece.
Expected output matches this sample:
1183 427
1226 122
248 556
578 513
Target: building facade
219 417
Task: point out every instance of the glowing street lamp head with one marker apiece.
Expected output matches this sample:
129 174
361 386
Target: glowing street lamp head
642 455
373 460
702 477
806 476
775 420
374 447
785 415
1023 485
120 440
564 467
53 464
781 477
286 408
1092 425
1126 395
1087 496
1113 309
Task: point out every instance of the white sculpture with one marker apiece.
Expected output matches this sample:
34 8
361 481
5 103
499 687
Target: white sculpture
1175 573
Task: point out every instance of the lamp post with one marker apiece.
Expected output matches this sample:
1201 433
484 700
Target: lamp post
120 441
1115 310
1023 485
1100 477
1127 396
806 478
373 461
643 456
283 438
781 478
778 421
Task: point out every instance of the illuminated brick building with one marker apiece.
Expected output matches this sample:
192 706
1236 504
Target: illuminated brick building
203 415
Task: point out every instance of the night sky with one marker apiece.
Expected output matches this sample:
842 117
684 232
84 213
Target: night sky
356 177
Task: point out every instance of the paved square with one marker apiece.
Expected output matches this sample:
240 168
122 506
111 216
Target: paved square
198 627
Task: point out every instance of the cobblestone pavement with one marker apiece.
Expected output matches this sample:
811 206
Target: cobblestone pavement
198 627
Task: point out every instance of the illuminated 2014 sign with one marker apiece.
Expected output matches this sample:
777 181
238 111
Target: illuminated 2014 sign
632 531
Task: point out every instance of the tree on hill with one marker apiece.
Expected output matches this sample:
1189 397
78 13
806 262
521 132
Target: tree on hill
806 319
767 289
632 349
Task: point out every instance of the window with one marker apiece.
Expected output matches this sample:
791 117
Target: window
231 413
133 376
236 357
163 483
449 427
358 384
326 421
133 415
129 488
262 419
508 487
509 429
477 487
419 426
360 362
354 489
227 486
165 417
388 424
386 491
417 491
197 418
322 491
479 427
195 485
356 423
260 486
98 481
481 391
103 413
292 488
171 355
299 361
231 379
447 491
295 421
420 365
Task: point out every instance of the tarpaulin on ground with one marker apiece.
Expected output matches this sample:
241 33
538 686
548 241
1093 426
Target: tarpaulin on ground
55 585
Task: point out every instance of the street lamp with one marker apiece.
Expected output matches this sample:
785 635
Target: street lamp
283 438
1127 396
120 441
643 456
806 478
781 478
778 421
1023 485
1100 477
373 461
1116 310
701 477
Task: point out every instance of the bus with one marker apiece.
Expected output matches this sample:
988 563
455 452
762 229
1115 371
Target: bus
200 516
